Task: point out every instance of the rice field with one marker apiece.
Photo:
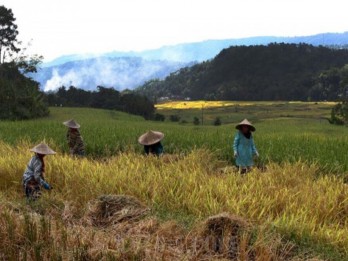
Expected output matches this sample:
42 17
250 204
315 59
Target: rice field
106 133
187 105
231 112
293 208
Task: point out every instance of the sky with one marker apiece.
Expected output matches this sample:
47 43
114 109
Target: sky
63 27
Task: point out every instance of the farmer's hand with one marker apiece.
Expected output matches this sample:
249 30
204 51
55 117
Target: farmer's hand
46 186
235 154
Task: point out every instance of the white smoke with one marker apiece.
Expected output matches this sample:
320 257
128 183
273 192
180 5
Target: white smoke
56 81
120 73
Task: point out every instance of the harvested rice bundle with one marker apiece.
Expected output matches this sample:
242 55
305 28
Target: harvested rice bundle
222 234
109 210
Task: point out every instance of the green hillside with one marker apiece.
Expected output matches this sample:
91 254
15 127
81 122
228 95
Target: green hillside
273 72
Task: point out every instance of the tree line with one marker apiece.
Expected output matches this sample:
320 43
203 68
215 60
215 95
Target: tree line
103 98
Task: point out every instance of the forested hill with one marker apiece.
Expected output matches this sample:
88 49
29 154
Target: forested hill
273 72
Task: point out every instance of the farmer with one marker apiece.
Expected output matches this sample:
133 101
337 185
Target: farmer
244 146
152 142
33 177
74 138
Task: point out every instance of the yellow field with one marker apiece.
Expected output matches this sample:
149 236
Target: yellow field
182 105
288 199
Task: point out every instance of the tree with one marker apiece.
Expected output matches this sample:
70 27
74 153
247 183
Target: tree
217 121
106 98
339 113
196 121
138 105
20 96
8 34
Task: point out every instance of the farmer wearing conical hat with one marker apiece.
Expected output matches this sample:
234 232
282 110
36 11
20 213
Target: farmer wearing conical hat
152 142
33 177
74 138
244 146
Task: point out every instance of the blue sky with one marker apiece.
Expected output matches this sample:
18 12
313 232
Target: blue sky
61 27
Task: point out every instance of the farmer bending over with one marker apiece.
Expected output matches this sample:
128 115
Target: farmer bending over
152 142
74 138
244 146
33 177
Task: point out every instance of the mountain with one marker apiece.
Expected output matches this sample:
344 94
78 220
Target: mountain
120 73
205 50
132 69
272 72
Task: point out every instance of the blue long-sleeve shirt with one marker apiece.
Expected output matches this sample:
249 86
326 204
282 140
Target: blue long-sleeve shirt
245 149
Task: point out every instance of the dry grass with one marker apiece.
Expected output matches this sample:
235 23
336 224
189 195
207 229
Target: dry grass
28 235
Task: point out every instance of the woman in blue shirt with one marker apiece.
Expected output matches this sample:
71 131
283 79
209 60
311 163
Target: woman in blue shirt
244 147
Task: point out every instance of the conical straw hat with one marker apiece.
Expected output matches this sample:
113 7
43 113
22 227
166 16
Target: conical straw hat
43 149
245 122
71 124
151 137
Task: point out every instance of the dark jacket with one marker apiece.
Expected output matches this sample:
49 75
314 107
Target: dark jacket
155 149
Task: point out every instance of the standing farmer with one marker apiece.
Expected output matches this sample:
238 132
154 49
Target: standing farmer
33 177
74 138
244 146
152 142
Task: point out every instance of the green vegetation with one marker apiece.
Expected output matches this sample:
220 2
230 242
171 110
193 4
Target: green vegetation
20 97
109 132
217 121
273 72
339 114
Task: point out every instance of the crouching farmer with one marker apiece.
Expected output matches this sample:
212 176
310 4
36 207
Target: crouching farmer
244 146
33 177
151 141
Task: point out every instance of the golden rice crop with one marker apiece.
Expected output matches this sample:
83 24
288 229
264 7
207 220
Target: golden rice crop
182 105
291 199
